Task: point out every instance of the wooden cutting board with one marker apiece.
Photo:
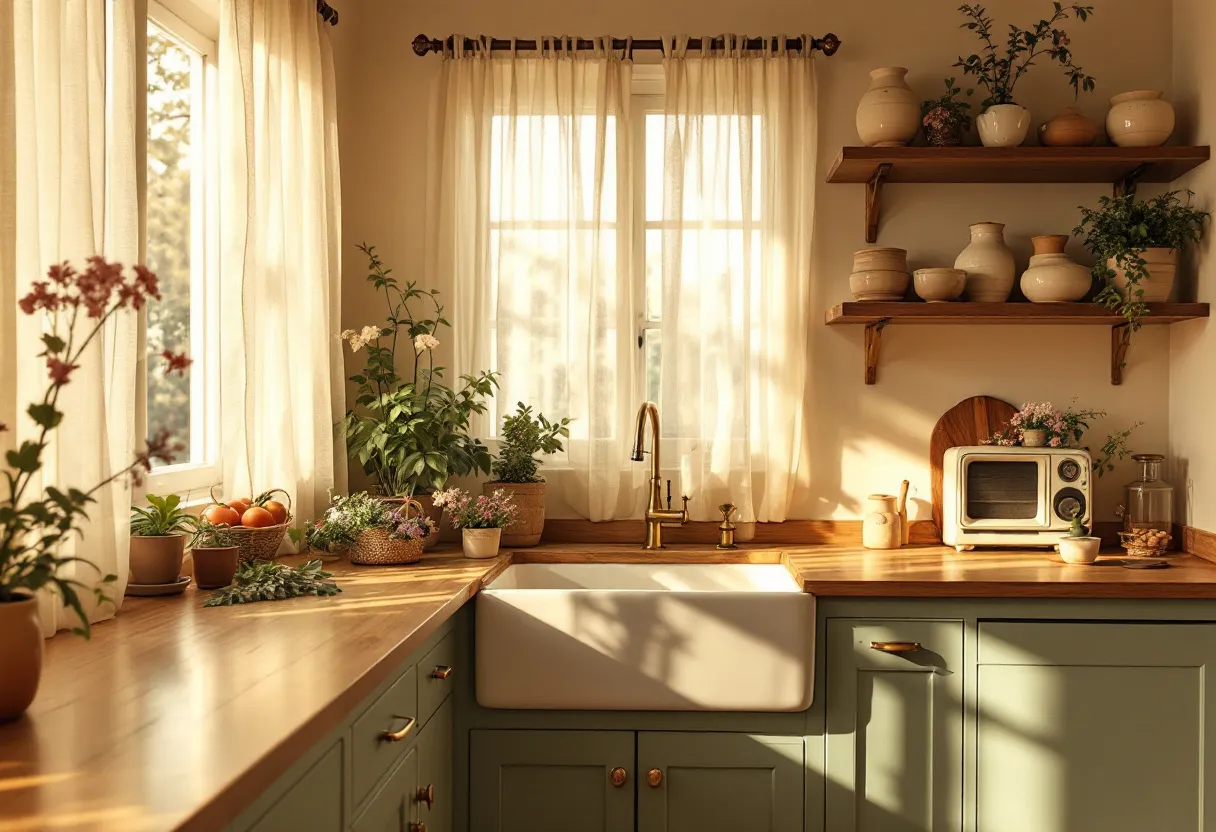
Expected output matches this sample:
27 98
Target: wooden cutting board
969 422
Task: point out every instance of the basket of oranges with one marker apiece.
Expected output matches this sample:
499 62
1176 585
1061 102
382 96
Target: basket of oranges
258 524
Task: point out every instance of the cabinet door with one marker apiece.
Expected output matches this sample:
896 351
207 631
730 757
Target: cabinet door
551 781
894 726
435 796
314 802
719 783
1096 726
391 809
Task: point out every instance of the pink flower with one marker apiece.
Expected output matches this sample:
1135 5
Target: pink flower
1055 442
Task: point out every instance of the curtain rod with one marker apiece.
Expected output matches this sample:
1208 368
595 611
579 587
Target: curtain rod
328 13
828 44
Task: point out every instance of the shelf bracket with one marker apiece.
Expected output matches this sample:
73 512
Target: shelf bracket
1120 340
873 348
1127 185
874 200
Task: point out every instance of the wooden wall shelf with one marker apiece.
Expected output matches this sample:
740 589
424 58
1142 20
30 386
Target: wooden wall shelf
1123 167
877 316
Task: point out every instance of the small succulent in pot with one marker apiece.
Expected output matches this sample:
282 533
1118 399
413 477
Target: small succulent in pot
1076 526
158 540
946 119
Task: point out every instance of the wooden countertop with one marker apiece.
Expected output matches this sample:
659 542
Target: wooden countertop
177 717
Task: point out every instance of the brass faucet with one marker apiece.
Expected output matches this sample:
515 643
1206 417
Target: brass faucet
656 515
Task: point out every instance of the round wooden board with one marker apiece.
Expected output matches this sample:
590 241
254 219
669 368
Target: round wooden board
969 422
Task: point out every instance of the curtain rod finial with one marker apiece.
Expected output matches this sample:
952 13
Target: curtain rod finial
829 43
422 45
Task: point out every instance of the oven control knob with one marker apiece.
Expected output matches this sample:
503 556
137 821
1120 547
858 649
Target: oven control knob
1069 503
1069 470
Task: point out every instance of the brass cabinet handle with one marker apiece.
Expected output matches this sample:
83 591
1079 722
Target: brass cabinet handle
895 646
618 776
441 672
426 795
398 736
655 778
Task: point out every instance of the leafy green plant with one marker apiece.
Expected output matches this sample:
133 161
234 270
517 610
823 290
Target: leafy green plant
270 581
1122 229
946 118
1076 526
164 516
211 536
998 72
411 433
523 437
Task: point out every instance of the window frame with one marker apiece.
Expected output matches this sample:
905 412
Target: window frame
181 478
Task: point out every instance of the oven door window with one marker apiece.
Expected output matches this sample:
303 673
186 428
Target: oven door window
1003 492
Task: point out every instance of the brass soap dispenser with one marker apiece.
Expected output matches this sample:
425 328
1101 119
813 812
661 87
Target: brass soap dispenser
726 531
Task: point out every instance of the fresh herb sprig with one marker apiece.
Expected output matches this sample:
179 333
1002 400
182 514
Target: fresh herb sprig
268 581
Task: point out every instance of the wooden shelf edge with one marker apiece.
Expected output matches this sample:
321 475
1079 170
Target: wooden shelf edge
1011 314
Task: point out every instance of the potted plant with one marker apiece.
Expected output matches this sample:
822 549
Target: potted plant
374 531
411 433
36 520
215 553
480 521
946 119
1078 546
1136 244
158 540
515 471
1039 425
1004 122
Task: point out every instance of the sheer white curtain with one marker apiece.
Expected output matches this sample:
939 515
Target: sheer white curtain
282 388
738 212
531 243
68 190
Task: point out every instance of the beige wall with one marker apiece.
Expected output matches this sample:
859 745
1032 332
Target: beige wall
860 439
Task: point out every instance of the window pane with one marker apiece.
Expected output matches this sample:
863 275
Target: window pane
174 219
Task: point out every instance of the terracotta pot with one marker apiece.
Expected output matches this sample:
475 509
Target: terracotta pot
1069 129
1162 265
1140 119
988 263
480 543
20 656
529 523
889 113
214 568
1034 438
1003 125
1049 243
429 509
939 285
157 560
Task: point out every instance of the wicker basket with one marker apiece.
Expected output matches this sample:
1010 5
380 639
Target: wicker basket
1136 546
261 543
373 547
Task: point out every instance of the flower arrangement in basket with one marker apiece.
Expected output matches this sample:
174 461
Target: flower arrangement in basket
375 532
1039 425
480 521
258 525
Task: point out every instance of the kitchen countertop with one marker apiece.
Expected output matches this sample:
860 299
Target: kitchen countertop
176 717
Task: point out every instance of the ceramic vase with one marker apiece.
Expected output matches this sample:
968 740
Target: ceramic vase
880 528
529 523
1069 129
21 645
480 543
1053 276
1140 119
1162 265
156 560
879 274
1003 125
989 264
1034 438
214 568
889 113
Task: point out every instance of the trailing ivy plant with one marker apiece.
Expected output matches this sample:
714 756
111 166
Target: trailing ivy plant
269 581
524 436
1122 229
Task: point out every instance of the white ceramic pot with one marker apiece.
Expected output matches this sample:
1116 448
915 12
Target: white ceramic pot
1140 119
939 285
889 113
1162 265
1053 276
1079 550
480 543
878 285
1034 438
21 645
1003 125
988 262
880 528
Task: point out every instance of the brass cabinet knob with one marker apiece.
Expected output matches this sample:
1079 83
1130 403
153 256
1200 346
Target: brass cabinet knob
441 672
655 778
398 736
417 826
618 776
895 646
426 795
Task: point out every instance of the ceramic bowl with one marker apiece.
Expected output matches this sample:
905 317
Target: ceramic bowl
1079 550
939 285
880 259
878 285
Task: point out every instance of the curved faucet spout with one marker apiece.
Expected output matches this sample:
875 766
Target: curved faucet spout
639 441
656 515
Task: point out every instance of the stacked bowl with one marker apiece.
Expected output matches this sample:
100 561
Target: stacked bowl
879 274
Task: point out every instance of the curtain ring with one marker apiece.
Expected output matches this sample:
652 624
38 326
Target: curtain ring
629 47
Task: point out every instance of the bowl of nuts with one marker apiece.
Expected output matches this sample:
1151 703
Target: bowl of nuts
1145 543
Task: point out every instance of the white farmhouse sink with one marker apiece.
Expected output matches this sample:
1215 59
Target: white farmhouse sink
702 637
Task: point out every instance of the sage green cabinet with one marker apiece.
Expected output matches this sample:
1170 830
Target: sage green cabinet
719 783
894 719
1095 726
435 792
551 781
314 802
392 808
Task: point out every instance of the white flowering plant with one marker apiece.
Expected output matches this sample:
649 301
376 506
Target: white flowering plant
493 512
410 432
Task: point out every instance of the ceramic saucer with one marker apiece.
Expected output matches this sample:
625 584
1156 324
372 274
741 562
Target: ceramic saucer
147 590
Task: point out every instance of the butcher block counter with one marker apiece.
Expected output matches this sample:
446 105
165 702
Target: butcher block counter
176 716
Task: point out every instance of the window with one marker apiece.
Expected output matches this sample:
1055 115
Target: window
180 242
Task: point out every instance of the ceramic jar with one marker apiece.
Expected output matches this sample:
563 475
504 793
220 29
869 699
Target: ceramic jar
1069 129
879 274
1003 125
1053 276
1162 266
889 113
988 262
480 543
939 285
880 528
1140 119
20 656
